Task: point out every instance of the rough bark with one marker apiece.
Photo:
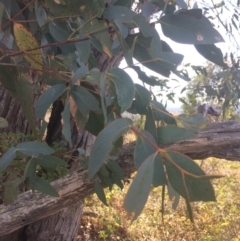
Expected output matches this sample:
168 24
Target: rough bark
221 139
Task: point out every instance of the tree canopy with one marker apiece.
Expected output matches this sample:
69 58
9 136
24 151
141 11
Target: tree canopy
68 50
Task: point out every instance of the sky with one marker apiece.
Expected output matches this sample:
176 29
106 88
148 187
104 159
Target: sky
191 56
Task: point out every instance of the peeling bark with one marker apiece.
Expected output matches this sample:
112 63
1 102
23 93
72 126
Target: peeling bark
220 139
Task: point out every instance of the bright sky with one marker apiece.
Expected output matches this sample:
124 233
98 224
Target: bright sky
190 56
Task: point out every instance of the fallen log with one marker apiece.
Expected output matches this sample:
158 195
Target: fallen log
220 140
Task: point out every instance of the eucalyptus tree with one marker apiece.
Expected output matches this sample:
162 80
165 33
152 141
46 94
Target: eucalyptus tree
62 56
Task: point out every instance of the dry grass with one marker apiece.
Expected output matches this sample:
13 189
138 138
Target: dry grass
214 221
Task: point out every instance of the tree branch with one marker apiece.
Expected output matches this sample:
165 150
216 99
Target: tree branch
219 140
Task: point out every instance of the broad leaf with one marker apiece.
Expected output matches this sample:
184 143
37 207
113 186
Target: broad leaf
142 99
7 158
43 186
139 190
84 100
180 169
104 144
115 169
80 72
144 149
100 192
161 114
150 124
146 79
49 161
171 134
25 40
41 14
124 87
47 98
189 30
34 148
118 12
211 53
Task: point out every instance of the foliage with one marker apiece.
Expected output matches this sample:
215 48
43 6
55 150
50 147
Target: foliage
70 35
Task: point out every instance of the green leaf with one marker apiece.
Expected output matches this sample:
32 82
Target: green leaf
161 114
211 53
83 48
80 72
124 87
115 169
193 122
49 161
59 30
144 149
181 4
180 170
66 129
25 95
161 63
118 12
84 100
146 79
142 99
47 98
7 158
104 143
41 15
100 192
34 148
150 124
3 123
95 123
139 190
171 134
43 186
97 30
189 30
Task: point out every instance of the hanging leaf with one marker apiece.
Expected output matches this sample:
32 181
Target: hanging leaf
144 149
115 169
146 79
83 48
118 12
171 134
161 114
124 87
104 143
211 53
34 148
189 30
25 40
7 158
84 100
25 95
100 192
142 99
80 72
139 190
95 123
49 161
41 14
43 186
181 4
47 98
150 124
179 171
66 129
